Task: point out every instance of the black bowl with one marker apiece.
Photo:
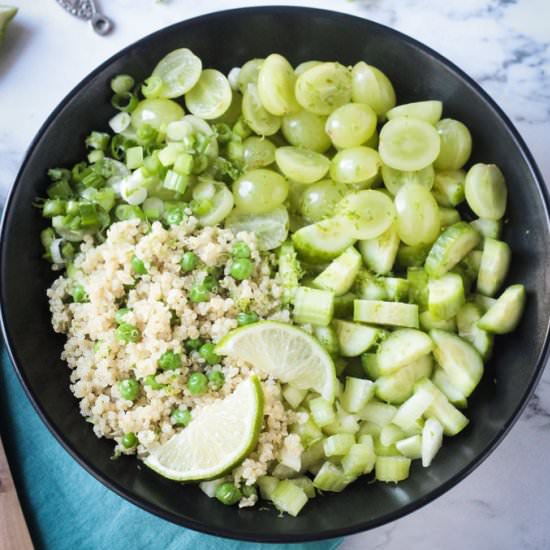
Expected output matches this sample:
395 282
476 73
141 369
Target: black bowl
224 40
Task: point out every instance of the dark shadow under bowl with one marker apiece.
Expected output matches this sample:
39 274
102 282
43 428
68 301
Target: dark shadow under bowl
224 40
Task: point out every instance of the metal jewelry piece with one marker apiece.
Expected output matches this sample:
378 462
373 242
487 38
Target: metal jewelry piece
86 9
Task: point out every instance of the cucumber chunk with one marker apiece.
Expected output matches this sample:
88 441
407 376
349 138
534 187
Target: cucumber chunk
459 359
379 253
488 228
385 313
397 289
354 339
418 287
432 438
357 393
411 447
314 306
412 410
450 247
466 320
392 468
448 189
452 393
445 296
505 314
429 321
402 347
369 287
339 276
495 262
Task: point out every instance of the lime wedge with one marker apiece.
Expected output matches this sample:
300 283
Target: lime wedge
284 352
7 13
218 438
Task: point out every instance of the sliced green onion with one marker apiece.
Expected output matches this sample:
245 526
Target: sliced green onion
125 212
153 208
151 87
134 157
125 102
175 182
120 122
122 83
98 140
54 207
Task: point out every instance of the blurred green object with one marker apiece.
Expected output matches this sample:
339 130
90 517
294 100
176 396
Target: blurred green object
7 13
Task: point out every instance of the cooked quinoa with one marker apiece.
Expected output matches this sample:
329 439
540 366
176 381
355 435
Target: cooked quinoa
159 306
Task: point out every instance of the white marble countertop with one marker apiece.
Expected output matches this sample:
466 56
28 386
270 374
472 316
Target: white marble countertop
503 44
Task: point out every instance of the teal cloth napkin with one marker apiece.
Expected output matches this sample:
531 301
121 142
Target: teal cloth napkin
66 508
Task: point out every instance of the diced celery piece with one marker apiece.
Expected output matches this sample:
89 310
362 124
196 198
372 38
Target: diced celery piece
290 453
288 497
282 471
402 347
340 274
293 396
432 438
495 262
391 434
385 313
384 450
368 429
167 156
428 321
313 306
379 253
377 412
344 423
267 485
353 338
308 431
315 454
306 484
322 411
411 447
134 157
356 394
392 468
338 444
409 413
331 478
397 289
359 459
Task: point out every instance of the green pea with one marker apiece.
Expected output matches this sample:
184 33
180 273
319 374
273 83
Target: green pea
170 360
189 261
249 490
240 250
151 381
193 344
246 318
216 379
199 293
200 207
79 294
129 440
128 333
210 283
181 417
120 314
228 494
197 383
138 266
241 269
206 351
129 389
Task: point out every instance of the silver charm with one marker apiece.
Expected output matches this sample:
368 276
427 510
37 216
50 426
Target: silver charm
86 9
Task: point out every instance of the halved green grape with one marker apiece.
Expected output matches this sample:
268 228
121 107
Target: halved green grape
323 88
271 228
233 112
373 87
258 152
351 125
249 74
357 165
301 165
394 179
486 191
319 200
418 220
408 144
456 144
305 129
259 191
211 96
276 82
256 116
221 203
428 111
157 113
305 65
179 71
369 213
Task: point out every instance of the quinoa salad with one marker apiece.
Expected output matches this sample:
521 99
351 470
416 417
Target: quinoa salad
277 282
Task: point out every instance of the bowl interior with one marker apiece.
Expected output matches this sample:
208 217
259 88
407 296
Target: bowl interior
225 40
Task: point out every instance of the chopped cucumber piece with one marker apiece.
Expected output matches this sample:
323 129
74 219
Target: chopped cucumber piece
331 478
323 240
369 362
308 432
383 450
418 287
354 339
495 262
392 468
390 434
402 347
313 306
379 253
369 287
294 396
445 296
267 486
327 338
411 447
339 276
466 320
442 380
412 256
459 359
398 386
343 305
385 313
344 423
322 411
488 228
448 188
412 410
503 316
377 412
288 497
313 455
397 289
282 471
432 438
306 484
451 246
356 394
484 302
338 445
429 321
360 459
368 430
472 262
448 217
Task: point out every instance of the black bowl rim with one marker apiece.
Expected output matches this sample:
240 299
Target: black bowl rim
225 532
